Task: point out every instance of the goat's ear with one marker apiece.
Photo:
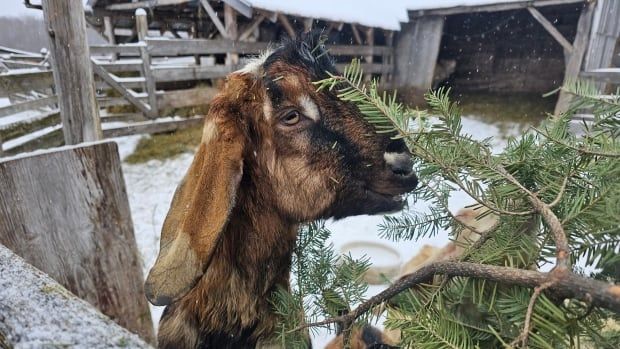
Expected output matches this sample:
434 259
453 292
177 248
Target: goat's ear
199 212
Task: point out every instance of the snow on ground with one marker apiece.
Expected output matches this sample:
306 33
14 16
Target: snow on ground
150 187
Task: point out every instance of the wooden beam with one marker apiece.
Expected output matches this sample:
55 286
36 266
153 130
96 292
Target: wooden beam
214 18
193 73
158 47
308 24
416 53
370 41
152 127
252 27
240 6
287 25
494 7
551 29
144 4
575 61
50 313
127 94
606 75
73 75
108 32
356 34
28 105
142 27
232 30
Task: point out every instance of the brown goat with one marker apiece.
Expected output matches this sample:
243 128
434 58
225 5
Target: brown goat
274 153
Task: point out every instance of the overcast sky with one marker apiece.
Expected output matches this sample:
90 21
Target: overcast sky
16 8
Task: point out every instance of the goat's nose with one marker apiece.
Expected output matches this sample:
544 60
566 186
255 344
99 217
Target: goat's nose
398 158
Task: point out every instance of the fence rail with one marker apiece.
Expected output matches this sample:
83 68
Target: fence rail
147 77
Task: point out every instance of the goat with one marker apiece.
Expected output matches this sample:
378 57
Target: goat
274 153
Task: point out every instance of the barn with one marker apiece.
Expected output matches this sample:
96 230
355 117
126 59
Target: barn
500 47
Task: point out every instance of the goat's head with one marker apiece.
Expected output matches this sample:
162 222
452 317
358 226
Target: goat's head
270 136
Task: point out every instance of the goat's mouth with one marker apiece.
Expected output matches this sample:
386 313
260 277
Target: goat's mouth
394 188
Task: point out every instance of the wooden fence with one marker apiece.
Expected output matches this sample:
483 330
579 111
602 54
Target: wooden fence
152 76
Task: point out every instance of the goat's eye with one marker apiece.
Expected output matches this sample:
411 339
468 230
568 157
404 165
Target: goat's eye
291 118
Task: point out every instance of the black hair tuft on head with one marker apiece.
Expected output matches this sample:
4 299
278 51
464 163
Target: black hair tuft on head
307 50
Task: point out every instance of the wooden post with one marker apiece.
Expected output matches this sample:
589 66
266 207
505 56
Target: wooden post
230 21
216 20
573 67
108 31
416 51
356 34
370 42
551 29
287 25
142 27
388 59
66 212
73 75
308 24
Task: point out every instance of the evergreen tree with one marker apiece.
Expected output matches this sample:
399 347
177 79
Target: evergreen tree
557 196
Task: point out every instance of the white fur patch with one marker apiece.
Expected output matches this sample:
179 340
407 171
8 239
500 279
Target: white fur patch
395 158
254 65
309 108
209 131
267 109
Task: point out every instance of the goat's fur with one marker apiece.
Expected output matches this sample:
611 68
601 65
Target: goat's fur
274 153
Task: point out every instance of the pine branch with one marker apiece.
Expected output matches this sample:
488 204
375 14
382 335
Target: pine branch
568 285
554 224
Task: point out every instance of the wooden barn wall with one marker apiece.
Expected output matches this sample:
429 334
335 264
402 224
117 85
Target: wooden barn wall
507 51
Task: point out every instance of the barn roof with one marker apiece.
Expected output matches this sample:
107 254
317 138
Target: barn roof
371 13
386 14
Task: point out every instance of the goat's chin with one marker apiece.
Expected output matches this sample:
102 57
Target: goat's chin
372 203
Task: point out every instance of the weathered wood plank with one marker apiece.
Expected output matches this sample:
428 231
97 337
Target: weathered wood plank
25 82
609 75
287 25
214 18
575 60
247 32
146 4
126 117
165 74
73 75
66 212
493 7
125 50
38 312
232 31
152 127
142 27
127 94
551 29
46 139
416 52
369 68
188 47
28 105
169 99
359 50
186 98
22 128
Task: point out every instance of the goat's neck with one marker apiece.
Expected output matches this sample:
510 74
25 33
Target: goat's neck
230 305
257 239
